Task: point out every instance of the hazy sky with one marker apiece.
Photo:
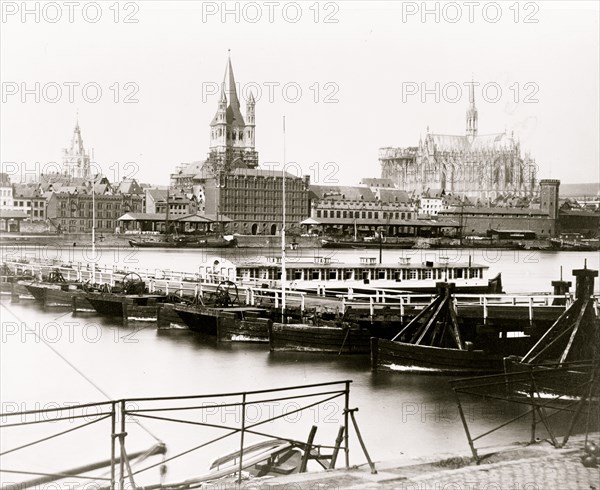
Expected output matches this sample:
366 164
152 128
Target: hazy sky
343 73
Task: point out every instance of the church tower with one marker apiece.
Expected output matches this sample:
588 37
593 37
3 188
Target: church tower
472 112
231 139
218 126
250 122
76 162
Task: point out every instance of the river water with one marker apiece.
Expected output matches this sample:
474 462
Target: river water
49 358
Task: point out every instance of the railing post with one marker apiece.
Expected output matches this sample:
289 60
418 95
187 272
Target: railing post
530 310
465 426
113 428
242 438
122 441
346 414
485 310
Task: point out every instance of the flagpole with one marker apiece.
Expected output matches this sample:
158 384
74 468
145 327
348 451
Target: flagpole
283 270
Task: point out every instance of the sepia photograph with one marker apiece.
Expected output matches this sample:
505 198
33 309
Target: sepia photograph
300 245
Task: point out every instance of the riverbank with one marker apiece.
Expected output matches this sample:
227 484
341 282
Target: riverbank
518 466
267 242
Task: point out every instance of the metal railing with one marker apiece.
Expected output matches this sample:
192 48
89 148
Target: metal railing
543 391
120 413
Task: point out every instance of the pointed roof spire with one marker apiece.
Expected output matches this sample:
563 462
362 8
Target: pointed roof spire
472 93
251 98
234 116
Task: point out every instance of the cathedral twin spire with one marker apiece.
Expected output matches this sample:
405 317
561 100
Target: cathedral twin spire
472 112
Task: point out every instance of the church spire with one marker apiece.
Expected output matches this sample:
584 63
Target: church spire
472 111
234 116
76 162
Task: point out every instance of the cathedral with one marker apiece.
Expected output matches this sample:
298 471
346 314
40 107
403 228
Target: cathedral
480 166
76 162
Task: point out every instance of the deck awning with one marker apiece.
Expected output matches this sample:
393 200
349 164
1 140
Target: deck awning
310 221
143 217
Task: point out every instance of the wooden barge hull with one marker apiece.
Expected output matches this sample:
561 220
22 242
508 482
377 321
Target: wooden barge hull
19 291
323 339
387 355
238 324
167 318
52 297
198 319
184 244
232 329
129 307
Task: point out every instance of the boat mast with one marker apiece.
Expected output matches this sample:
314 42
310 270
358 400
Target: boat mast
93 226
167 215
283 270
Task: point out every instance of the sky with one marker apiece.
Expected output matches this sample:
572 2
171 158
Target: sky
349 77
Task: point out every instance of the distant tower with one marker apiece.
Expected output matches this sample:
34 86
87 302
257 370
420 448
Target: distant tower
472 112
231 139
549 197
250 122
76 162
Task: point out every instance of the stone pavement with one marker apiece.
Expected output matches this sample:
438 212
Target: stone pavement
518 467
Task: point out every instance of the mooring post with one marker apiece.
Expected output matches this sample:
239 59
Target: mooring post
584 282
560 288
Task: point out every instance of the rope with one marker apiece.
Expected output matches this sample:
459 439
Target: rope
77 370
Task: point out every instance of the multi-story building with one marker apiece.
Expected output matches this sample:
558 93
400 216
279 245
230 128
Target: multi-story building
6 193
474 165
229 182
30 199
348 210
481 220
179 205
72 210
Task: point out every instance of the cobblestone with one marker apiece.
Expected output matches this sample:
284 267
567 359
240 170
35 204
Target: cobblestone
537 467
